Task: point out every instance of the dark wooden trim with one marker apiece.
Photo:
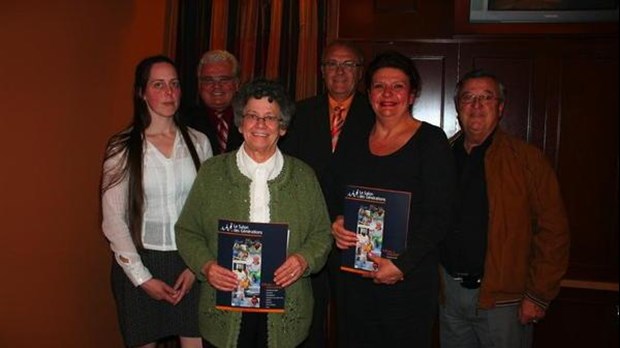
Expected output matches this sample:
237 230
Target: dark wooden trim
589 284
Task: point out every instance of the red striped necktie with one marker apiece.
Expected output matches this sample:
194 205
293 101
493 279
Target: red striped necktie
222 131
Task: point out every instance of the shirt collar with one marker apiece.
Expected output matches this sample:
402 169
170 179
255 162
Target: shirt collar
250 168
346 104
227 115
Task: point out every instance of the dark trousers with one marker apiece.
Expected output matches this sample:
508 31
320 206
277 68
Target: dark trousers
253 332
317 336
325 290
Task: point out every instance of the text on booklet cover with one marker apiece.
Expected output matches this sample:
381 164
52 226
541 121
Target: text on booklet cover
380 218
253 251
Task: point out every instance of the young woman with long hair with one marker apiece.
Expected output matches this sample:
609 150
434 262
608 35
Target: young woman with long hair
148 170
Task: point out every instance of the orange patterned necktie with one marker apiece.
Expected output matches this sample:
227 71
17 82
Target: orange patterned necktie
222 131
337 121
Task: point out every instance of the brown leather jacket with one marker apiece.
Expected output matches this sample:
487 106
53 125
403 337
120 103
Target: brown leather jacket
528 239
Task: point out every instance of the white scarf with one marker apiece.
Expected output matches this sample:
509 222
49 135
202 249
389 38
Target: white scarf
259 173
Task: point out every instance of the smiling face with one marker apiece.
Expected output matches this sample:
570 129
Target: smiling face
162 93
217 84
260 128
340 80
390 93
479 109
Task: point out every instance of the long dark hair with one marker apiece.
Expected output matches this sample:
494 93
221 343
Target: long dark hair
128 144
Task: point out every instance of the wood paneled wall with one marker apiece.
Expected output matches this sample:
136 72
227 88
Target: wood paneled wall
562 97
562 83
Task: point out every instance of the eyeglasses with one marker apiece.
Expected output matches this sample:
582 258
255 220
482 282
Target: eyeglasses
213 80
468 98
333 65
269 120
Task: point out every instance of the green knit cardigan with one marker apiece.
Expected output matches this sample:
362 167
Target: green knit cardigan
220 191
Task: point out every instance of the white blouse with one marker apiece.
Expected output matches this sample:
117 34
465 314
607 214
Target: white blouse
259 173
166 183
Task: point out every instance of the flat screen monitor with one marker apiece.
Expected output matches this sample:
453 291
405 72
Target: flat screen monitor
543 11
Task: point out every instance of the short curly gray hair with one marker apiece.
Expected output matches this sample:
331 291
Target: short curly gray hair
261 88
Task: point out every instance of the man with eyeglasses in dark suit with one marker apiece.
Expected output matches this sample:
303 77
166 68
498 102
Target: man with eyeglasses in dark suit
319 124
218 81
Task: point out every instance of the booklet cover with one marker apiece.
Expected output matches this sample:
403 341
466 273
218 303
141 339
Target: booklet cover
381 220
253 251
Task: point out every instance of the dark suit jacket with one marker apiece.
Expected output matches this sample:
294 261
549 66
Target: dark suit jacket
309 136
309 139
197 119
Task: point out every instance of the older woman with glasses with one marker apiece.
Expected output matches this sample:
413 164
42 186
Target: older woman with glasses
257 183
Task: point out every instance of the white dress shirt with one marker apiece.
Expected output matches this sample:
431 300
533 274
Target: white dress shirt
166 182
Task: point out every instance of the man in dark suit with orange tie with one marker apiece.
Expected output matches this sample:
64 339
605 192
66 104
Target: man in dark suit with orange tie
318 126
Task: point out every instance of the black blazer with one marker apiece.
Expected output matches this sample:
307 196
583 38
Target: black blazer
309 135
197 119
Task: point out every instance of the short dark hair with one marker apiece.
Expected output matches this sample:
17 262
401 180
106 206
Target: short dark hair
396 60
260 88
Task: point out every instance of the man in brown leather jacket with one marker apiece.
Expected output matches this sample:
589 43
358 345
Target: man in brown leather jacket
508 248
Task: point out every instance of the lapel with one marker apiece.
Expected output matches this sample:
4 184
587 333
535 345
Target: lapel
321 123
359 121
324 121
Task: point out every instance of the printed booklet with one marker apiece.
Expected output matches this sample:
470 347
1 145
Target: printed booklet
253 251
381 220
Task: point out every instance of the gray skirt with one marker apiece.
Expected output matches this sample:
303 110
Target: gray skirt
142 319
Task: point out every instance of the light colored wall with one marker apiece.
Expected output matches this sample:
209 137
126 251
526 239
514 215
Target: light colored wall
66 70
